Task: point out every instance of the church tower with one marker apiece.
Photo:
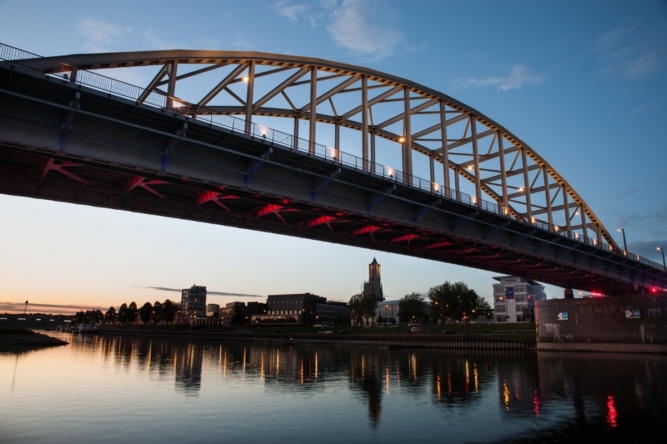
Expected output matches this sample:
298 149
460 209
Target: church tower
373 287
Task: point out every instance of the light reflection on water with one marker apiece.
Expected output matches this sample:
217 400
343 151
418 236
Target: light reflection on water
108 389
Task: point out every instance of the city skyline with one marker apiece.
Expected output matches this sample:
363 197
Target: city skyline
584 89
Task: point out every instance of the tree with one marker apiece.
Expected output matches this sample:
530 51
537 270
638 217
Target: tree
450 301
110 315
525 313
132 312
484 309
78 318
362 307
122 314
145 312
87 317
157 312
169 310
411 307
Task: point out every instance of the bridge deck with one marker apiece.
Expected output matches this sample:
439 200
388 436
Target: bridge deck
121 155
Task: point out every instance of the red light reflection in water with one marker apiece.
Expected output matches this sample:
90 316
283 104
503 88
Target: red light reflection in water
611 412
536 403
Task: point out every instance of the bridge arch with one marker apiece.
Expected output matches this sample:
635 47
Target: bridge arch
419 120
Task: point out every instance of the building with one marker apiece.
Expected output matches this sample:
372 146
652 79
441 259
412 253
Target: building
388 310
233 313
193 303
332 313
373 287
301 309
212 311
254 308
514 299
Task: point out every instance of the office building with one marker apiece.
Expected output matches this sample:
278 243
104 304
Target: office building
233 313
302 309
212 311
515 297
193 303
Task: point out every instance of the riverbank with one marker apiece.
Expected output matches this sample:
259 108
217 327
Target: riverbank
10 338
412 340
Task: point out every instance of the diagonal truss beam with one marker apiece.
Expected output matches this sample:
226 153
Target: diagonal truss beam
280 88
399 117
327 95
372 102
222 85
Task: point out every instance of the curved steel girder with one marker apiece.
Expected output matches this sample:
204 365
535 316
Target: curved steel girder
325 118
222 58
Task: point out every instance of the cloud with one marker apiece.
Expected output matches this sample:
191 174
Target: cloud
292 12
366 28
648 249
20 306
644 65
652 222
208 292
101 36
632 51
518 78
153 41
239 42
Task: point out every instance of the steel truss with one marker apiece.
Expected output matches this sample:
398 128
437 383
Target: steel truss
426 122
419 120
70 143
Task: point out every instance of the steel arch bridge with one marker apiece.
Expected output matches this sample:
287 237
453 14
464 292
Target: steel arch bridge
366 119
467 144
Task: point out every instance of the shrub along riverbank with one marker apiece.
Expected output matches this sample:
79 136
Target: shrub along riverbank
11 337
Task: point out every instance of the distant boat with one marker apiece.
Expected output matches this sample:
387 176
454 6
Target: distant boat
85 328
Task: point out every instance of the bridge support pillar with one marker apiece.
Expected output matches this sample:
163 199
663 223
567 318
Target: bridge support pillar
568 293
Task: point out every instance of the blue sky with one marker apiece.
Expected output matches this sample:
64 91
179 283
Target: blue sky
581 82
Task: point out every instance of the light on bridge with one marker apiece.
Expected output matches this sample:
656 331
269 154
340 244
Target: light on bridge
246 79
332 152
402 139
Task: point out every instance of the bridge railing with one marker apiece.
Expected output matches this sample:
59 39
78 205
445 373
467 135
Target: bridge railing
161 100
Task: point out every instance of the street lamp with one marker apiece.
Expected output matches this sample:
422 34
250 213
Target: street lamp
625 244
662 250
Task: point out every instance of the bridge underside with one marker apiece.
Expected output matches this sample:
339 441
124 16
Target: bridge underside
62 142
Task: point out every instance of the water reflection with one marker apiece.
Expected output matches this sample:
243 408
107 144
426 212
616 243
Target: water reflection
483 396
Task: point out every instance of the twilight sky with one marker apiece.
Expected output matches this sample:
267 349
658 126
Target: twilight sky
583 83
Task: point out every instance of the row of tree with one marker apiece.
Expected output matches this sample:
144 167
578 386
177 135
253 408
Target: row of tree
448 302
165 311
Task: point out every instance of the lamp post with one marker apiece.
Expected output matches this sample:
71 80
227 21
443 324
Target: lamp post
662 250
625 244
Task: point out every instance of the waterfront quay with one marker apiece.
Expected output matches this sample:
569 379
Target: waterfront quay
443 341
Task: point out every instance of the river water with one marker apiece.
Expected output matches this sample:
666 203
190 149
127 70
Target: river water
121 389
